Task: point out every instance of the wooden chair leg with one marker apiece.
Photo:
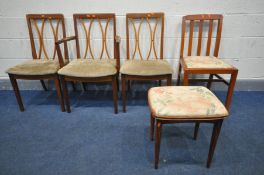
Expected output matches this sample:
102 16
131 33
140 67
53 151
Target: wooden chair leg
117 82
157 143
169 80
43 85
215 134
65 93
186 79
129 85
59 93
123 93
84 86
17 93
114 88
196 129
73 86
230 90
152 124
179 75
210 81
159 83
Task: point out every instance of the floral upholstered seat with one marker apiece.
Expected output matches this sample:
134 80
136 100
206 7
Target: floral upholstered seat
185 102
88 68
35 67
146 67
205 62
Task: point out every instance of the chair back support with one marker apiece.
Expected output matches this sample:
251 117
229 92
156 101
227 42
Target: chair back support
151 38
198 23
97 41
44 31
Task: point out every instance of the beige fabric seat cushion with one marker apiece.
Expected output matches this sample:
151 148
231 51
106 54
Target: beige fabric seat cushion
185 102
88 68
146 67
35 67
205 62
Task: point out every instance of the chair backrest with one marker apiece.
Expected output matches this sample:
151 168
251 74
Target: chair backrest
46 29
105 34
202 21
155 24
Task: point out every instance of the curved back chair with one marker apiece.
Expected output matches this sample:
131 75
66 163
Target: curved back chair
42 28
194 63
91 65
148 66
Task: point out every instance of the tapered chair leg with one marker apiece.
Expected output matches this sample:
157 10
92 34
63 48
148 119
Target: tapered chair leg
179 75
169 80
65 94
17 93
59 93
117 82
115 97
152 124
196 129
210 81
157 143
215 134
123 93
73 86
43 85
84 86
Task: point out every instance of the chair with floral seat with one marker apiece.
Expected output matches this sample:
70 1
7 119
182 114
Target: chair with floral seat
91 65
184 104
44 66
148 66
198 61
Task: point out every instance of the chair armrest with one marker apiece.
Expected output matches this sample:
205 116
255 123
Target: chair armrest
65 39
57 44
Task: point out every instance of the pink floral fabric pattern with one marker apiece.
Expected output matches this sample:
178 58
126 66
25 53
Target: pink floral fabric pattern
185 102
205 62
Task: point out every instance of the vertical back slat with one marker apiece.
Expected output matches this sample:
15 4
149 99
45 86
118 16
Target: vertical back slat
200 38
162 36
210 30
127 36
218 37
190 38
183 36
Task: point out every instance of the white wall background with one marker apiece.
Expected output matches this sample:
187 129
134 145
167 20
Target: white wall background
242 41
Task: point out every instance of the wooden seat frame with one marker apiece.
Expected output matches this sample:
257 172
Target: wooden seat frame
34 18
125 77
113 79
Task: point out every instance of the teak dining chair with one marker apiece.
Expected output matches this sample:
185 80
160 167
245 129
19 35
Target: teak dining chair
89 67
140 66
207 64
44 64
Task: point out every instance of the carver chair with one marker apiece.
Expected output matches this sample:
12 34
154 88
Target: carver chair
148 66
195 63
95 62
44 66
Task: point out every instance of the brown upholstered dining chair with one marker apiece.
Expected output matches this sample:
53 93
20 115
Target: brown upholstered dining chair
97 61
195 63
149 65
44 31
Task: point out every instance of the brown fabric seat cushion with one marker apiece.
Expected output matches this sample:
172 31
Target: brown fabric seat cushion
89 68
35 67
185 103
146 67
